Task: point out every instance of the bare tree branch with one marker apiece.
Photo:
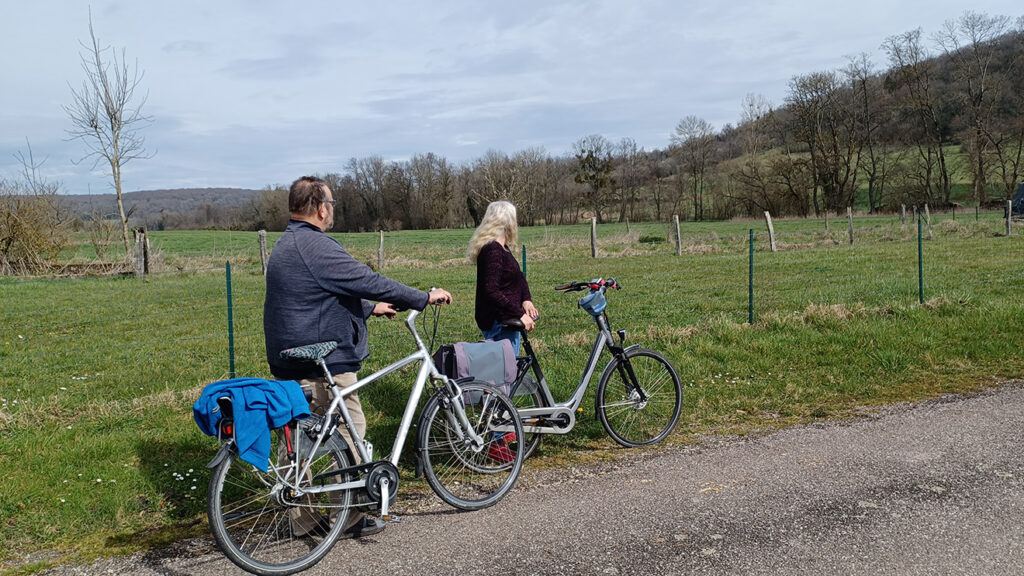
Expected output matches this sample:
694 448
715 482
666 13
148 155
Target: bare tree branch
106 115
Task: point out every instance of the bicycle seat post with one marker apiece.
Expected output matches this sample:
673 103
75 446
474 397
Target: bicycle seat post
327 372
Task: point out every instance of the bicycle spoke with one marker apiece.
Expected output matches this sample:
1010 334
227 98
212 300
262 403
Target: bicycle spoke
626 418
463 476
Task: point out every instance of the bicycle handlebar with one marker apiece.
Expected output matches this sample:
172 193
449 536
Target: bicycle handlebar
595 284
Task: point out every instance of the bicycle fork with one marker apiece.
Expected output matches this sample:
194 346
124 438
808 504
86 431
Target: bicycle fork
455 413
625 369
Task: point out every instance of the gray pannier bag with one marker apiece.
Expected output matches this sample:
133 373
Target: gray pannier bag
491 361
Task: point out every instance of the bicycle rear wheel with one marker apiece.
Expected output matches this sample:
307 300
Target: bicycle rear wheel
465 475
259 526
633 418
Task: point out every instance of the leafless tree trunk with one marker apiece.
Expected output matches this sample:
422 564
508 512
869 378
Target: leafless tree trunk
630 177
694 141
970 43
910 79
107 116
871 114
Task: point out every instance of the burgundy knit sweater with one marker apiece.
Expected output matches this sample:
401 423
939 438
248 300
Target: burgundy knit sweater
501 287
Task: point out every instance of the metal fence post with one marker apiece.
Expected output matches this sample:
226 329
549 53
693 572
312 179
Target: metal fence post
750 283
524 260
231 324
920 265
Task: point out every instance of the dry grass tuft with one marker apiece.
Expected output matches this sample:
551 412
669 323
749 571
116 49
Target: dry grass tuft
578 339
951 226
815 313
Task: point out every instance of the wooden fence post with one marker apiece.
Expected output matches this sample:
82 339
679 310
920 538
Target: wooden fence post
627 226
849 217
679 240
903 214
380 253
593 237
263 250
771 229
1009 217
928 221
140 254
826 220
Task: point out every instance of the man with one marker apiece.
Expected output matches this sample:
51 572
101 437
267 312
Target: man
317 292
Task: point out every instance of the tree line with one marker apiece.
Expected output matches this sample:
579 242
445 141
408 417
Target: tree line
949 107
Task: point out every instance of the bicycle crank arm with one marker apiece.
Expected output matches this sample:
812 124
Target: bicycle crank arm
384 497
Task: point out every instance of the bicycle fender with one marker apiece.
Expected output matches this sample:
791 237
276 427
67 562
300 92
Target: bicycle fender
222 454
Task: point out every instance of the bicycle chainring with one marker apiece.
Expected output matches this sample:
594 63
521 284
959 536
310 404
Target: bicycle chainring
378 470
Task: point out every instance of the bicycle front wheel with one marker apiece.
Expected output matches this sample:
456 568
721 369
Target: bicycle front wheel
469 474
260 525
639 398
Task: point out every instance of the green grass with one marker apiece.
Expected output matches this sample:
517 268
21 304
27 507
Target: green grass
97 376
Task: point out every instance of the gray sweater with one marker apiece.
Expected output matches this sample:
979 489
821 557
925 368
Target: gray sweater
317 292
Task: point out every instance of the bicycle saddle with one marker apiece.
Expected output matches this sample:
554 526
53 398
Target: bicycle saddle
513 323
312 352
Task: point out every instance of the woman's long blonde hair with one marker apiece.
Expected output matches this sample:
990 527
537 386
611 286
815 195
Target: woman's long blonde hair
499 220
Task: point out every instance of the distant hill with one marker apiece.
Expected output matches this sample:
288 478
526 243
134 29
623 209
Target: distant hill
148 204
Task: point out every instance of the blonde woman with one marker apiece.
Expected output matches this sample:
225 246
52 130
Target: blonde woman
501 289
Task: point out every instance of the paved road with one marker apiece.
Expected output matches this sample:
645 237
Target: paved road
931 488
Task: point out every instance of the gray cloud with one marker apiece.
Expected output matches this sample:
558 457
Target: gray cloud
253 93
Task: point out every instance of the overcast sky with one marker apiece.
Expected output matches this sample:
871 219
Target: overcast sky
250 93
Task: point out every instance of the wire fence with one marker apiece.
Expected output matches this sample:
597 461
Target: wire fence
69 341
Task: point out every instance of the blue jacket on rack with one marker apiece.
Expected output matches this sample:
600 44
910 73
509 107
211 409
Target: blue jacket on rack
259 405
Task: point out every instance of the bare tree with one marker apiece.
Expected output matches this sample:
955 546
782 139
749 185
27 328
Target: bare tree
368 177
594 168
107 116
970 42
824 120
1006 134
911 80
755 190
694 141
631 174
871 113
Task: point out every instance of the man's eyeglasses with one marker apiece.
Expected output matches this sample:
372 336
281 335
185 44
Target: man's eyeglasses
331 202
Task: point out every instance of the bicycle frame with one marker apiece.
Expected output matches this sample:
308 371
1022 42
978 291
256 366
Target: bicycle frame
566 411
427 371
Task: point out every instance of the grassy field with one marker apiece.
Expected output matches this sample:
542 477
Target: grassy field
97 375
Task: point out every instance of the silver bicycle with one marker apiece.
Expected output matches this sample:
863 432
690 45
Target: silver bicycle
286 519
639 396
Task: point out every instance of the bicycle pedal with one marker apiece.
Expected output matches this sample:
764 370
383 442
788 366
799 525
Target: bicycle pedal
392 518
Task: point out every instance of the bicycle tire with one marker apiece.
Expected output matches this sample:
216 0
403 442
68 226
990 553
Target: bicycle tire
625 418
464 477
260 533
